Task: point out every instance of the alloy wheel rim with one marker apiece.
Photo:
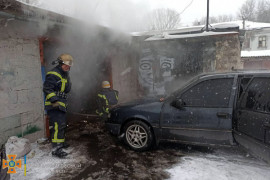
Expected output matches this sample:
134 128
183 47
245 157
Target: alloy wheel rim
136 136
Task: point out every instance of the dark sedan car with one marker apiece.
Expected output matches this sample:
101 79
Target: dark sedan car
209 110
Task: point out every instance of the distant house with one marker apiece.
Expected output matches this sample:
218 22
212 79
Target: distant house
257 36
255 51
255 43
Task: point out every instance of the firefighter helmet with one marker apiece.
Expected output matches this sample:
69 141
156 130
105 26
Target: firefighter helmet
66 59
106 84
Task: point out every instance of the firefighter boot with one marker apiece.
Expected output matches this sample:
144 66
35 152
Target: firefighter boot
58 152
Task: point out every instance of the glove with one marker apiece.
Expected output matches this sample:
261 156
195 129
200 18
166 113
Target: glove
55 104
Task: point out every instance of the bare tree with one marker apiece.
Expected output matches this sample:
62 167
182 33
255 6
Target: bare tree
163 19
263 11
248 11
214 19
202 21
225 18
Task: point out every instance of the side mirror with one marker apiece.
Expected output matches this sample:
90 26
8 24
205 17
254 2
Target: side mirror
178 103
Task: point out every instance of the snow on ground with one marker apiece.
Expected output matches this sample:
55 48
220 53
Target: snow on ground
222 165
40 163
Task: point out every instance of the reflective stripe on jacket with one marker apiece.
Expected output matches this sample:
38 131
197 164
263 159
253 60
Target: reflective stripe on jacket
105 99
57 84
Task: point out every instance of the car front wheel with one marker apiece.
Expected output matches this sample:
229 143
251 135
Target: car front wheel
138 135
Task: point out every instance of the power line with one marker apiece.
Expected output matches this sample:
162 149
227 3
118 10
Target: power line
186 7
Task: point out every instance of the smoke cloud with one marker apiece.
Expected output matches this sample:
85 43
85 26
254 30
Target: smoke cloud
92 40
124 15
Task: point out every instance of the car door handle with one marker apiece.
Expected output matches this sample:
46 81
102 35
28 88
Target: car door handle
223 115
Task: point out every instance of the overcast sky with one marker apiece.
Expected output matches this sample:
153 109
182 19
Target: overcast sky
197 8
127 15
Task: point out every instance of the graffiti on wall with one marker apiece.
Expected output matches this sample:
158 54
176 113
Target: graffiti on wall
155 72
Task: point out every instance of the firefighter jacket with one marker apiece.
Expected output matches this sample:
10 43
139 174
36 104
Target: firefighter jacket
56 86
106 99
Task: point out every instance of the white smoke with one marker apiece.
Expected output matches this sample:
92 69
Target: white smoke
124 15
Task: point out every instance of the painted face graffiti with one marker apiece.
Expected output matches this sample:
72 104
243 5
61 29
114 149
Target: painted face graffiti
154 72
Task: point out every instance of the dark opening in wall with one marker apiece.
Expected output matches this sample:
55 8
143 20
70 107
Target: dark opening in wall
86 75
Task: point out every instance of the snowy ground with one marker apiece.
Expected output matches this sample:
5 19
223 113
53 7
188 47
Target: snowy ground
95 154
40 164
222 164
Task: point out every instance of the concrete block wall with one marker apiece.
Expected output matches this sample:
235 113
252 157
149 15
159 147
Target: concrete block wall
21 96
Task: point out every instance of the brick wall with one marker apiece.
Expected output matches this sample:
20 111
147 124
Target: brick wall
256 62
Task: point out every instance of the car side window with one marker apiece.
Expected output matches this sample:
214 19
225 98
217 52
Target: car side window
257 95
243 84
209 93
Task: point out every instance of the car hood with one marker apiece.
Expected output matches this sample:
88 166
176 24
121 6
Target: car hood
139 102
139 106
146 109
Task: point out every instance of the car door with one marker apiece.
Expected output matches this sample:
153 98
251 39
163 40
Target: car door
253 113
206 114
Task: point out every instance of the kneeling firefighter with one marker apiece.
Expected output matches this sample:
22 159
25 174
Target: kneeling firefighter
106 99
56 87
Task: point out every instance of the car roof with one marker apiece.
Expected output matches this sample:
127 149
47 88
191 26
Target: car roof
238 72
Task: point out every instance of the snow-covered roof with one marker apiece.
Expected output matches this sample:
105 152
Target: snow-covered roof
249 25
255 53
179 30
169 36
24 11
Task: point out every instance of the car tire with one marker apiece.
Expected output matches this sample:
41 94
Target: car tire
138 135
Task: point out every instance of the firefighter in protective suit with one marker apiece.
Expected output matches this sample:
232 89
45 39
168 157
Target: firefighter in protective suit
106 99
56 87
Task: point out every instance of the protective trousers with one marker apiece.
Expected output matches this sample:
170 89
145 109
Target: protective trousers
57 127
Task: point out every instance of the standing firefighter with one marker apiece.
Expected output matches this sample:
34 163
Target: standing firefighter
107 97
56 86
